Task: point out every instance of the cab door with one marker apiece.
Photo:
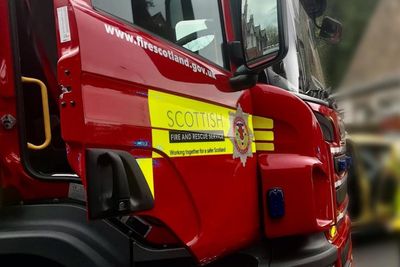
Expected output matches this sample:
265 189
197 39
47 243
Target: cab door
151 124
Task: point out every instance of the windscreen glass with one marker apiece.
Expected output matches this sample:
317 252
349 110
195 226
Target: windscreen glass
301 70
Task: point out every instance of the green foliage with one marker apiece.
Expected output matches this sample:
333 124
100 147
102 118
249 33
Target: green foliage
272 35
354 15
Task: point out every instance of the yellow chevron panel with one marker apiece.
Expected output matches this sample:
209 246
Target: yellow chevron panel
262 123
264 135
265 147
146 165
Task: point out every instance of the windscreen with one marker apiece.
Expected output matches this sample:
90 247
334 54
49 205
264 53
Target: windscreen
301 70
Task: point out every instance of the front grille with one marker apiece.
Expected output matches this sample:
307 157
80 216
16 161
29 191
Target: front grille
327 127
341 190
341 164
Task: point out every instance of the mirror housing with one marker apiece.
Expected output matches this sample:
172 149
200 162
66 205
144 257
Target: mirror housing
331 30
314 8
261 34
243 79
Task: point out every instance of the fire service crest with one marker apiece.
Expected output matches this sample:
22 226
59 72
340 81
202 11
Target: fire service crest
240 135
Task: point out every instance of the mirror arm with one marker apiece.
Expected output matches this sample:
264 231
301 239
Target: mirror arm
243 78
235 51
316 23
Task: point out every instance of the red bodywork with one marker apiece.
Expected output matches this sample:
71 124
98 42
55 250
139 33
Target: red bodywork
211 204
337 148
12 174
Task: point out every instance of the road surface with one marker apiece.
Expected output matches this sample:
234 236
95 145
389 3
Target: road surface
377 252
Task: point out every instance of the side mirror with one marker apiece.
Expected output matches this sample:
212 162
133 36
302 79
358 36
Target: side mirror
331 30
263 39
263 33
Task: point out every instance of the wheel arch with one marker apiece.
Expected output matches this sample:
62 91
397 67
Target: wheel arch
61 233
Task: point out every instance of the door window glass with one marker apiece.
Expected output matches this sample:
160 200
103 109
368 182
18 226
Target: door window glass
192 24
122 8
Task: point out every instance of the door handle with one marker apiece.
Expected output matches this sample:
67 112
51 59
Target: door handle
120 190
46 113
116 186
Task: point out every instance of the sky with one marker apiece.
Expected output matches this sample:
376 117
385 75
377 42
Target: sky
264 11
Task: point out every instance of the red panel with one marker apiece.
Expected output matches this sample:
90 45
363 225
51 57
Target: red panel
209 202
299 165
333 115
342 238
13 177
344 226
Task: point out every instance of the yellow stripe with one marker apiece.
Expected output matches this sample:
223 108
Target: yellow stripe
169 111
172 112
265 146
146 165
264 135
262 123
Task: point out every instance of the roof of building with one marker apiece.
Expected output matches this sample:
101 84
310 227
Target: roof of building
387 82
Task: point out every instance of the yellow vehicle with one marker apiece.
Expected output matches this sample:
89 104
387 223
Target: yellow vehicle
374 181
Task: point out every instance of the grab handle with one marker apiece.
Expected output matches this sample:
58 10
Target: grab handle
46 113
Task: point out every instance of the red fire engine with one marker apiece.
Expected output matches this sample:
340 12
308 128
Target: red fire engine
145 133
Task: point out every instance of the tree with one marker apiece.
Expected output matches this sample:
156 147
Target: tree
354 15
272 35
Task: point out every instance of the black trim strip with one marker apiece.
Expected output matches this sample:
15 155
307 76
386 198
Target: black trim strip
345 252
313 250
61 233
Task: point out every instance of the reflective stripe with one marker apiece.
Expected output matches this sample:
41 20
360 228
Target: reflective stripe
264 135
262 123
265 146
65 175
338 150
341 215
146 165
341 181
